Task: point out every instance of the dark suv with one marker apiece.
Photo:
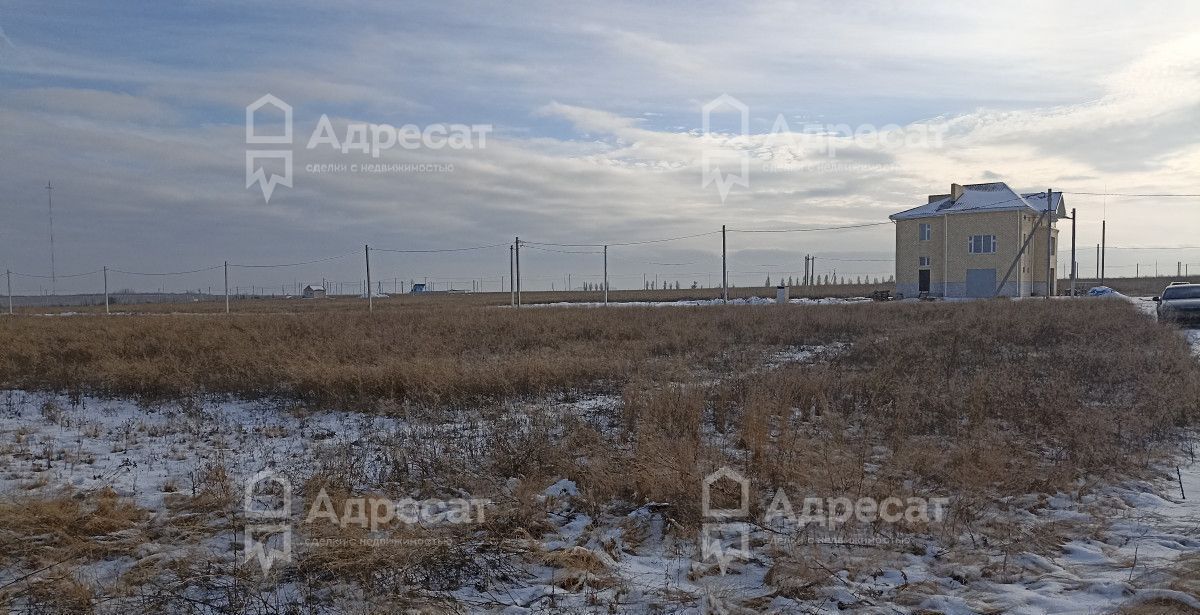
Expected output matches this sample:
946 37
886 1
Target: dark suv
1180 303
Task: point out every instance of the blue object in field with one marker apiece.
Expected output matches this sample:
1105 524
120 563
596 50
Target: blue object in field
1102 291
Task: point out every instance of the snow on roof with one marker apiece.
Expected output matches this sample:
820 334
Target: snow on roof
994 196
310 287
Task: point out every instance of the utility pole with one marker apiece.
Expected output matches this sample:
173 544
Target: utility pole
1049 242
226 287
1074 263
50 209
8 278
512 289
1098 265
370 295
517 244
1103 249
724 270
605 275
106 309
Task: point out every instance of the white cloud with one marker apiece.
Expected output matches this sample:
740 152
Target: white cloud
150 174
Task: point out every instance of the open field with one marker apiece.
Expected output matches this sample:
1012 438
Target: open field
206 304
1048 426
251 304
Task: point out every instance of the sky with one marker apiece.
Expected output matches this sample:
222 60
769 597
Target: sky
595 134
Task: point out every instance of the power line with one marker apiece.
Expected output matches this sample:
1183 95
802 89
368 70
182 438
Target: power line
1154 248
809 230
532 247
56 276
665 239
165 273
319 260
494 245
1127 194
622 243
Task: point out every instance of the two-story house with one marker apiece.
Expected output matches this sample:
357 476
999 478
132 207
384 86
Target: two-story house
963 244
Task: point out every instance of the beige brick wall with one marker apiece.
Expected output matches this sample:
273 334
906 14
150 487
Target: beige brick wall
909 248
950 259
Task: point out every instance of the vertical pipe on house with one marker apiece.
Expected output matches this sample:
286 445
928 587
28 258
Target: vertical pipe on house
1021 257
1050 211
945 253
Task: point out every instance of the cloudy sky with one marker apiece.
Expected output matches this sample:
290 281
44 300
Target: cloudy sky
136 113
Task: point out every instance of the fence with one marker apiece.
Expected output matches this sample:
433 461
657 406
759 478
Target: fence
653 276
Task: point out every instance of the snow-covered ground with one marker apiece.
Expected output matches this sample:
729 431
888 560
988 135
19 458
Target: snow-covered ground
1088 551
1092 549
146 452
1096 547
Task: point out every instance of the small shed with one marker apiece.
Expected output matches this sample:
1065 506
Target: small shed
314 292
417 288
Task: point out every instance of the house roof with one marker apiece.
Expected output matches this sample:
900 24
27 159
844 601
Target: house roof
994 196
315 288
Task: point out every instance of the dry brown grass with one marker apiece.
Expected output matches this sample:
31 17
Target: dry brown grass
51 535
426 354
972 400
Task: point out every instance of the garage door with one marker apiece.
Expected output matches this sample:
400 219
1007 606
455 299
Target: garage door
981 282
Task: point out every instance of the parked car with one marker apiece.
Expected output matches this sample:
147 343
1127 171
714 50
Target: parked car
1180 303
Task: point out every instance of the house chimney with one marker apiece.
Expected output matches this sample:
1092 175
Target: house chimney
956 192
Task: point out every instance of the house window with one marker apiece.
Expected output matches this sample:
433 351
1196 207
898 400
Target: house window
922 261
926 232
981 244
